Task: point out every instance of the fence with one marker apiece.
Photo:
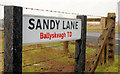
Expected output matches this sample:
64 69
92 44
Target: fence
105 48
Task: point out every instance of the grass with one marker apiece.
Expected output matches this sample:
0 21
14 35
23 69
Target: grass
33 57
106 67
40 56
65 60
93 28
1 41
97 28
109 68
43 57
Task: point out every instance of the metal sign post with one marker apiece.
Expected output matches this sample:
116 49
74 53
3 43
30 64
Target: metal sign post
80 47
12 39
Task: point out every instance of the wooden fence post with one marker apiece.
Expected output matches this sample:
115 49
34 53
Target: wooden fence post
66 46
12 39
111 39
80 47
103 24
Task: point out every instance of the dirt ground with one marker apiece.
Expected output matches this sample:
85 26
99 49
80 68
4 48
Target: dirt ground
47 60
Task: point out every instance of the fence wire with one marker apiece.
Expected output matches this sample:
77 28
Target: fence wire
53 11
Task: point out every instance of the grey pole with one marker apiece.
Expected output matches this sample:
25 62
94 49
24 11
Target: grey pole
12 39
80 47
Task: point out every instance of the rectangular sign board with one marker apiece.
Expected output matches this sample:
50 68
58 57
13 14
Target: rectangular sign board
41 29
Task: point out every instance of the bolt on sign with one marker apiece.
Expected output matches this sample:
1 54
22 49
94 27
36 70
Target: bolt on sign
41 29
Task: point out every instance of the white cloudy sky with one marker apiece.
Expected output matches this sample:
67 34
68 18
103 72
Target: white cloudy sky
88 7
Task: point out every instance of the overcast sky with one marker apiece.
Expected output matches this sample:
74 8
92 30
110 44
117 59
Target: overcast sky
87 7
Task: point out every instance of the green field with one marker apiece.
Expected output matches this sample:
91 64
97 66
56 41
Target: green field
97 28
58 58
37 59
1 40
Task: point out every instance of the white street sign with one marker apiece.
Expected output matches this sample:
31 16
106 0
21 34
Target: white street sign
40 29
